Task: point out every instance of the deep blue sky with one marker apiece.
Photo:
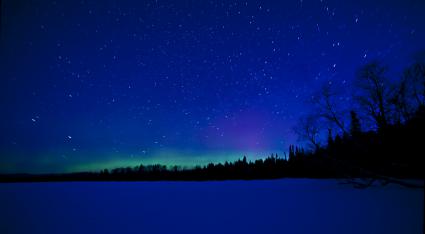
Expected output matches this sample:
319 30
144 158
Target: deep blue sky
93 84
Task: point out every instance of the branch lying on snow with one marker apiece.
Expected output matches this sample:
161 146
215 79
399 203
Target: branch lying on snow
404 183
364 183
368 178
368 182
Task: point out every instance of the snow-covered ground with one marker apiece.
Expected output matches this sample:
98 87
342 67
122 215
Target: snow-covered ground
273 206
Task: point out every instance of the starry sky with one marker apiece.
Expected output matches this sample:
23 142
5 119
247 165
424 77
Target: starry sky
88 84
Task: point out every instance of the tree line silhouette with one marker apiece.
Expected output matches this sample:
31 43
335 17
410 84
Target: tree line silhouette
383 139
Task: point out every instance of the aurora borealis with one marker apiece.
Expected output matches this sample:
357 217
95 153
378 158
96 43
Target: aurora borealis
92 84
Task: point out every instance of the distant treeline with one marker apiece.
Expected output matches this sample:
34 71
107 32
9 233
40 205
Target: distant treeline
396 152
269 168
386 142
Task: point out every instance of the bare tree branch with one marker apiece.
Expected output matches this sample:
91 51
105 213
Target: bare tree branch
374 93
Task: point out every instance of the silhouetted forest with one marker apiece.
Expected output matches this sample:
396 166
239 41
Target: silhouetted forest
383 139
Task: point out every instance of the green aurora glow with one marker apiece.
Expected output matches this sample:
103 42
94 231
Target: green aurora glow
53 163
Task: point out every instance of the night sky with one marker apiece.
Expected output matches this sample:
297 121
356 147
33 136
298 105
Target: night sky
92 84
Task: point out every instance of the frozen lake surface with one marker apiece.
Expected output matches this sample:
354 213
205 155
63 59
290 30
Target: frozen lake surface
270 206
